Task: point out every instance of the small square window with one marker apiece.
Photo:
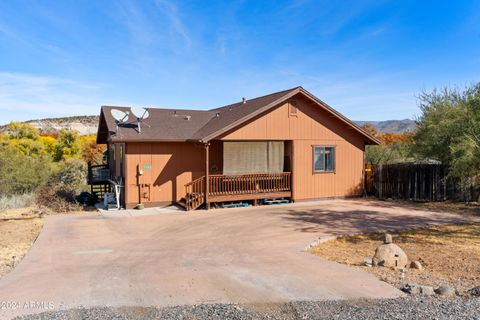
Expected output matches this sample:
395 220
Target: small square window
324 159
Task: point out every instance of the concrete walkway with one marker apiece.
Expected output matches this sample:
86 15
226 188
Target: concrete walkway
227 256
116 213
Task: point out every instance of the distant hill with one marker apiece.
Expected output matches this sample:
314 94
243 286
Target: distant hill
391 126
87 125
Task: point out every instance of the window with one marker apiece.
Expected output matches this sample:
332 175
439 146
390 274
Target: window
292 108
323 159
245 157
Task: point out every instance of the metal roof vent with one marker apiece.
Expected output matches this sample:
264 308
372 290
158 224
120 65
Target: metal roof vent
188 118
217 114
244 100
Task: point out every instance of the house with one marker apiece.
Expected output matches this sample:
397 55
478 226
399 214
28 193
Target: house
288 145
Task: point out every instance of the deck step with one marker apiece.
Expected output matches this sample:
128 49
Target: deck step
275 201
182 203
235 205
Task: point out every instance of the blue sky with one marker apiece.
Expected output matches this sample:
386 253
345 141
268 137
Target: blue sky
367 59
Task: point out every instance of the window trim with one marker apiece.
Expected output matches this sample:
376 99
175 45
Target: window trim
334 158
292 108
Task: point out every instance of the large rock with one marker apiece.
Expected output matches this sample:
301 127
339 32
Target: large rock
390 255
416 265
475 292
446 291
416 289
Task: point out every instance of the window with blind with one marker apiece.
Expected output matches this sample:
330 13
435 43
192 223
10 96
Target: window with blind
245 157
323 158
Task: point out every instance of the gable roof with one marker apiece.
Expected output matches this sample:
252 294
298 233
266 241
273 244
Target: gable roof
203 126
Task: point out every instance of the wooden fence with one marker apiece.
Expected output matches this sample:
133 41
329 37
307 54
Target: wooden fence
417 181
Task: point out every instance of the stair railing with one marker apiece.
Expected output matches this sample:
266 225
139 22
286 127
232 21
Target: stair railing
195 193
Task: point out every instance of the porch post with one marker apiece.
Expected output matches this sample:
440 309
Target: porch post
292 171
207 177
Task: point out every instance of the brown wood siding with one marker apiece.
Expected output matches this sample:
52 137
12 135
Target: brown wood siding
311 126
216 156
173 164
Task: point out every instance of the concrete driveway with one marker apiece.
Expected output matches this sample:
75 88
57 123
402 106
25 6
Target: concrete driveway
226 256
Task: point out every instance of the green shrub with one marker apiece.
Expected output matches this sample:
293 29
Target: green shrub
448 130
20 174
72 172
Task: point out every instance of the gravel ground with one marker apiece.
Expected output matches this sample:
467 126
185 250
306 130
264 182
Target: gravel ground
401 308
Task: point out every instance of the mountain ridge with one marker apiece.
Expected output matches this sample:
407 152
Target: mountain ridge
87 125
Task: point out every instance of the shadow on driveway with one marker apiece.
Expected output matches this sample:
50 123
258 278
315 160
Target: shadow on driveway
338 221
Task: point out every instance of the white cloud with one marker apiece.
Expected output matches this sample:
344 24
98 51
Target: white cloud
368 98
176 23
26 96
137 22
147 29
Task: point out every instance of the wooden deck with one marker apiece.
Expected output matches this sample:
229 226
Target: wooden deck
222 188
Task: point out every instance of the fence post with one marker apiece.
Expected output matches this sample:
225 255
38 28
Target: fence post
380 181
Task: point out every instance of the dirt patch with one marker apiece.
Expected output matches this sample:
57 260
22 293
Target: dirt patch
18 230
449 255
19 213
16 238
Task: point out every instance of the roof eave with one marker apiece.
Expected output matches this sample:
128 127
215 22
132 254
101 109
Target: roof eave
369 138
128 140
249 116
102 117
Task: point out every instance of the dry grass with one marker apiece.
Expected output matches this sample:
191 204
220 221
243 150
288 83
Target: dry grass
16 237
449 254
18 230
446 206
18 213
16 201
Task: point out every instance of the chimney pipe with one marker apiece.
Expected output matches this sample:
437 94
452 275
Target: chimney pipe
244 100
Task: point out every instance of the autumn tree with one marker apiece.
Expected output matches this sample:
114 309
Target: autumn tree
91 151
393 148
67 145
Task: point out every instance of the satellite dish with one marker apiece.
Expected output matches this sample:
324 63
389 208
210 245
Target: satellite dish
146 114
141 114
137 112
119 115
